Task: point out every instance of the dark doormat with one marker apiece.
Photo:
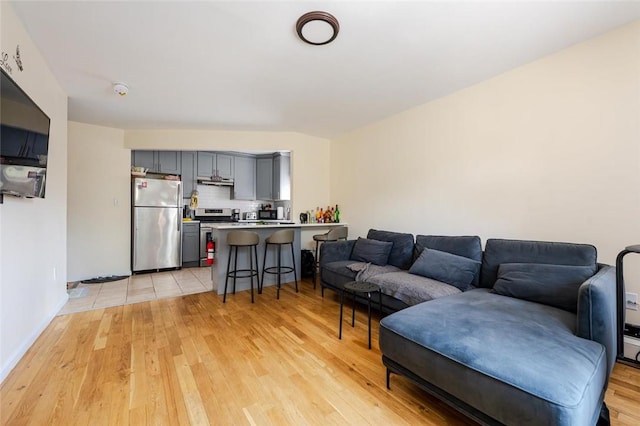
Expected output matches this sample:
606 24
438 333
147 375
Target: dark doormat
100 280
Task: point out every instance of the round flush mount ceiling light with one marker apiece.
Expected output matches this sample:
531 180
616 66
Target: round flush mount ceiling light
121 89
317 28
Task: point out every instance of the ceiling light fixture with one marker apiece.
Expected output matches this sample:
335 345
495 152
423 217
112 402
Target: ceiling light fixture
121 89
317 28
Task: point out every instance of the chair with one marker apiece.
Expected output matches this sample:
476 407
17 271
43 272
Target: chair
335 234
279 239
246 239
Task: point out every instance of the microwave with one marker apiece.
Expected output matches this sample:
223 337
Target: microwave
267 214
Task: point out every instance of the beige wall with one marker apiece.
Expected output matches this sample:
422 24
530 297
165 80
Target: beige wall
99 215
548 151
99 239
33 237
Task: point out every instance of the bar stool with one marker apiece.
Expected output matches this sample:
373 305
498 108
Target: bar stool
335 234
237 239
279 238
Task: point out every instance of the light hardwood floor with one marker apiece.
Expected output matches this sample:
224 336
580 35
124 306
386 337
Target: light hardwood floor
193 360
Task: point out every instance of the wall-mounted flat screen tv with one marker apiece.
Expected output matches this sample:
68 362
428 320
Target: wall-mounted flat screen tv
24 142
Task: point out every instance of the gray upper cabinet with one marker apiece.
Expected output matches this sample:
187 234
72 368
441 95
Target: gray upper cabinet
264 178
145 159
244 187
169 162
224 165
281 177
157 161
214 164
188 173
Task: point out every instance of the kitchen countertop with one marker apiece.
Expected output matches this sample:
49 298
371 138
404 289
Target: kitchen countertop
253 225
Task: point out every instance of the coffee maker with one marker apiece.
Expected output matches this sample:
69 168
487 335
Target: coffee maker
304 218
235 215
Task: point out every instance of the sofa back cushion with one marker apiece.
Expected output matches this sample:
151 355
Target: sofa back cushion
458 271
372 251
401 254
553 285
466 246
498 251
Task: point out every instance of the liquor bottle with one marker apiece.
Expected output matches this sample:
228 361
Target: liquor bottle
337 215
321 216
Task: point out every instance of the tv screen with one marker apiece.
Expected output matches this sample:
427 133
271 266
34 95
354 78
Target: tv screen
24 142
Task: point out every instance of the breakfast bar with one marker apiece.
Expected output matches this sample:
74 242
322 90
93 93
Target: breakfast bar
264 230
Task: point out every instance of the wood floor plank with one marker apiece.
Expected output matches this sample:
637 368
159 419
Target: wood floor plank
194 360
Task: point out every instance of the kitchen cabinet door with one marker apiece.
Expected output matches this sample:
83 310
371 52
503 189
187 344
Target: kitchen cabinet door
188 161
244 186
264 178
146 159
224 166
190 244
169 162
206 164
281 177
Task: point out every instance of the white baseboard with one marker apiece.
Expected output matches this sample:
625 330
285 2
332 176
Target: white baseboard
30 340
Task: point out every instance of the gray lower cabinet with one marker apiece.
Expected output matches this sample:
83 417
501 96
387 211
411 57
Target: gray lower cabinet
188 173
157 161
264 178
244 187
190 244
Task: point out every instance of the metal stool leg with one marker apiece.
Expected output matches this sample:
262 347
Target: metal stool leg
251 272
255 252
235 267
226 280
315 265
295 274
279 279
264 265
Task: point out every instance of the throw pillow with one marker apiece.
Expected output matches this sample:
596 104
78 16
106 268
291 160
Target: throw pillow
553 285
372 251
455 270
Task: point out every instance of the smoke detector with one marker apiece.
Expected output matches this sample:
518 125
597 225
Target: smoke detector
121 89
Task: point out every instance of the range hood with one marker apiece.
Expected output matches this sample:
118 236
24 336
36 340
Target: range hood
214 180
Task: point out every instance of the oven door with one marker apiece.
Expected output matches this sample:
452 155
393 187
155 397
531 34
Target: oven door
206 234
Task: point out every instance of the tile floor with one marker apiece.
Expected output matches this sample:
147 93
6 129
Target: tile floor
137 288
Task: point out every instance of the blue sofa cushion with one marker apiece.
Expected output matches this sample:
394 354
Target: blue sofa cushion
411 289
525 362
401 254
461 245
373 251
497 252
458 271
553 285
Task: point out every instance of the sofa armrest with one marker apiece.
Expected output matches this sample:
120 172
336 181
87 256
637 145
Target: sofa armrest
597 311
332 251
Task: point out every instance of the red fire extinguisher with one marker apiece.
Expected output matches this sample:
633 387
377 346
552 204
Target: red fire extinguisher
210 248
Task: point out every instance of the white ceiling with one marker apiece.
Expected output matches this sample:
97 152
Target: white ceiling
239 65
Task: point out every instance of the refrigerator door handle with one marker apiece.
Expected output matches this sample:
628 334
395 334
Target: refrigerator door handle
179 218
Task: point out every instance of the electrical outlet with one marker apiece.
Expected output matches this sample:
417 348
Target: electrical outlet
631 301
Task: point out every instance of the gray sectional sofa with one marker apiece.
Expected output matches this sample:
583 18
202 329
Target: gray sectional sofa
530 340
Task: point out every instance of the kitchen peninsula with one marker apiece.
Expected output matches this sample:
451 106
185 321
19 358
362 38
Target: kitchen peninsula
264 230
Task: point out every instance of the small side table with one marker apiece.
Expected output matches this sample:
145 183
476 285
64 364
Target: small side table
359 287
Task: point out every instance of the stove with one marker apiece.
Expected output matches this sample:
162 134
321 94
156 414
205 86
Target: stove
214 215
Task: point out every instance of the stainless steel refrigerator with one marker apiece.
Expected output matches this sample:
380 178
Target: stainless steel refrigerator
156 224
